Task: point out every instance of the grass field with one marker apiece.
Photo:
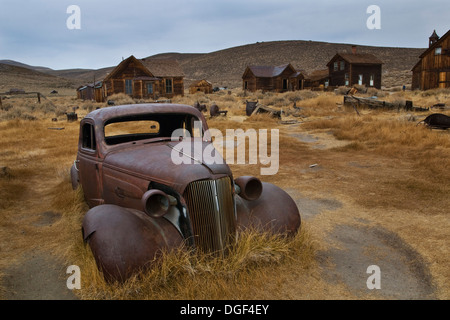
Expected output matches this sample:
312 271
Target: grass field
380 170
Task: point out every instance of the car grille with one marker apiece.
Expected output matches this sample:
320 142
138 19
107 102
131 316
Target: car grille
211 210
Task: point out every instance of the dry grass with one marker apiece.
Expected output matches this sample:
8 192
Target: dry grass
391 173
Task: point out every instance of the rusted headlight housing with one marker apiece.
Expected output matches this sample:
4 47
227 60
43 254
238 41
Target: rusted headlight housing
249 188
156 203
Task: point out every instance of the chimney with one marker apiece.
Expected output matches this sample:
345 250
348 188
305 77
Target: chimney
354 49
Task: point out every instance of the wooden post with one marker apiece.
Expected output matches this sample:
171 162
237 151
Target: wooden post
0 100
39 97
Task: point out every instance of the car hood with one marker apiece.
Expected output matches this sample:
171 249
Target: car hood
174 164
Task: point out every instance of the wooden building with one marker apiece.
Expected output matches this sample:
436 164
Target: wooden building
145 79
201 86
348 69
317 79
433 69
272 78
91 91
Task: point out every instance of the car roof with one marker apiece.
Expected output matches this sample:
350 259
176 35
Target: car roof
104 114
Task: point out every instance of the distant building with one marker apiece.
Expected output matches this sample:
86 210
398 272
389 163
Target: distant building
318 79
145 79
433 68
348 69
201 86
91 91
272 78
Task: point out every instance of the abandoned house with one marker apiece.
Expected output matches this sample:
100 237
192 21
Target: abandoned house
317 79
433 69
145 79
348 69
201 86
272 78
91 91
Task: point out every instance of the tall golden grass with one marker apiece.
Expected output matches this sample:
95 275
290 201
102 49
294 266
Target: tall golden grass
404 183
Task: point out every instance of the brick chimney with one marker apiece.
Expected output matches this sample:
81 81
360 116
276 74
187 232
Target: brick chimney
354 49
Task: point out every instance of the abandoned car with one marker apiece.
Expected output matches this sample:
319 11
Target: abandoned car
141 202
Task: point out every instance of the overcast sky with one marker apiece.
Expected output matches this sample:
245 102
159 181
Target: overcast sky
36 32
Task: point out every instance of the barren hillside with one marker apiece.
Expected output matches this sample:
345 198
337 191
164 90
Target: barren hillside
14 76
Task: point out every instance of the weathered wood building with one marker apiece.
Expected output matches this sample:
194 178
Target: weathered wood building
433 69
145 79
91 91
348 69
272 78
317 79
201 86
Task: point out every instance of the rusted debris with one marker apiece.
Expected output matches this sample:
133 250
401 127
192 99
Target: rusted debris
214 111
250 107
71 116
437 121
264 109
200 107
373 103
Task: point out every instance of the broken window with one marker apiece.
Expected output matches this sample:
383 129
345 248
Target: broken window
342 65
347 82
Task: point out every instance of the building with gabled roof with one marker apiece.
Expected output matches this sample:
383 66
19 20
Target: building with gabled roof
145 79
272 78
349 69
433 69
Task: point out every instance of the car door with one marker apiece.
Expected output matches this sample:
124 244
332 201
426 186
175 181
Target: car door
89 165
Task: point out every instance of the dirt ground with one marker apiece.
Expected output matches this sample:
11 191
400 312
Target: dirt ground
352 237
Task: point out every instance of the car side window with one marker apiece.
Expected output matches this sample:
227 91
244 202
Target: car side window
89 137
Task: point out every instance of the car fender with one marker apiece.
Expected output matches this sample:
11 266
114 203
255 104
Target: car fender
125 241
274 211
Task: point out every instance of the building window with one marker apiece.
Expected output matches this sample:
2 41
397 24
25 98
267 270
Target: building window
438 51
342 65
336 66
347 81
169 86
149 88
129 86
372 80
360 79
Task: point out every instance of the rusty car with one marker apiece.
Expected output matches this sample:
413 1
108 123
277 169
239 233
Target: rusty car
142 203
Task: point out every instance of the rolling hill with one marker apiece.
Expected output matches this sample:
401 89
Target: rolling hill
225 67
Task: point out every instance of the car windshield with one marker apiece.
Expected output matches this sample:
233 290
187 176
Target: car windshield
134 128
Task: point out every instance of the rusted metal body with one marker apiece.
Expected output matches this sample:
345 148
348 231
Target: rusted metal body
437 121
143 202
250 106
